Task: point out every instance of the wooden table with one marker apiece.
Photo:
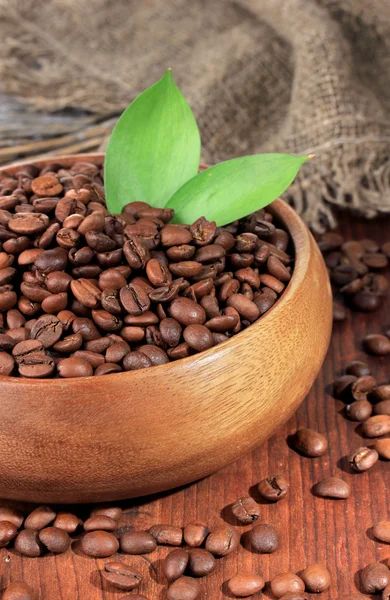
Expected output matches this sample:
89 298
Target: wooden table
337 533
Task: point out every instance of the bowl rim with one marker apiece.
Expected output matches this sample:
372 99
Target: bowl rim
301 239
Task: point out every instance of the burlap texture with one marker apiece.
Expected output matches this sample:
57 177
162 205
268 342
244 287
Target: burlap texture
300 76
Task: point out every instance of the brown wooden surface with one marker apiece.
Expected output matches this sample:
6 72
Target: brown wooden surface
311 529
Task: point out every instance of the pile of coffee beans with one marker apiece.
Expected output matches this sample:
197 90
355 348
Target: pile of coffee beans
83 292
355 269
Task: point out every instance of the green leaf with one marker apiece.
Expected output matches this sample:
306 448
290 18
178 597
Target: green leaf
154 148
235 188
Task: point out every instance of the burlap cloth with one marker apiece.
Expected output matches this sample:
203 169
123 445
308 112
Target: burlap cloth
300 76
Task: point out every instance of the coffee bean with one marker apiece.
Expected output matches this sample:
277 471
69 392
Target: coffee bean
362 386
175 564
310 442
332 487
245 510
27 543
201 562
244 306
55 539
8 531
316 578
170 330
74 367
382 392
18 590
114 512
273 489
195 533
381 531
134 299
342 387
7 364
12 515
167 534
263 538
223 541
180 253
198 337
187 312
363 459
138 542
359 410
101 522
286 583
383 448
121 576
243 585
377 344
99 544
374 578
376 426
40 518
46 185
184 588
67 521
136 360
330 241
203 231
48 330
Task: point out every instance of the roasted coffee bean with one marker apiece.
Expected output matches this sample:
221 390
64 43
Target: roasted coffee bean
28 223
74 367
156 355
273 489
7 364
198 337
263 538
363 459
332 487
46 185
12 515
381 531
244 306
99 544
375 261
107 368
376 426
377 344
374 578
382 408
358 368
137 542
245 510
203 231
342 387
71 343
201 562
169 535
383 448
86 328
18 590
187 312
173 235
134 299
48 330
28 543
8 531
362 386
222 541
100 522
286 583
184 588
170 330
67 522
382 392
175 564
195 533
316 578
310 442
55 539
136 360
210 305
40 518
180 253
114 512
243 585
359 410
188 268
121 576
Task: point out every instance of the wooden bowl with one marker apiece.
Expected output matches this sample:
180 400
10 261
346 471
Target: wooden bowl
135 433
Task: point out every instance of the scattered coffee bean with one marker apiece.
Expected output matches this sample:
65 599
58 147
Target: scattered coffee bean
359 410
167 534
263 538
121 576
358 368
67 521
363 459
201 562
316 578
18 590
286 583
310 442
27 543
382 408
381 392
223 540
114 512
243 585
137 542
195 533
99 544
382 447
273 489
374 578
175 564
55 539
40 518
377 344
12 515
362 386
381 531
184 588
342 387
332 487
101 522
245 510
376 426
8 531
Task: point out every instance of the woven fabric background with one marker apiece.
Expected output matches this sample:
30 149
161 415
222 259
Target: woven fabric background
300 76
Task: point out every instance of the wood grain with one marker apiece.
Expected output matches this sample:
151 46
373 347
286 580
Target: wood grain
311 529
